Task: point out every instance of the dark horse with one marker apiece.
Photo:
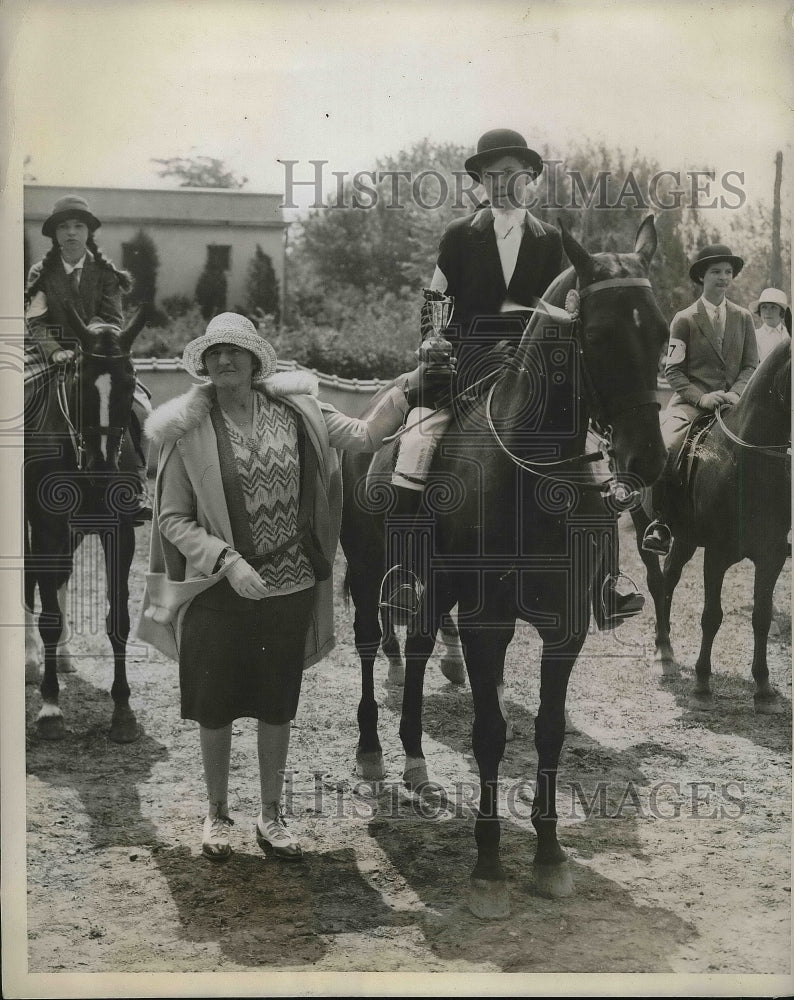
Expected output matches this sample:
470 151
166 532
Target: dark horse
75 419
522 530
737 506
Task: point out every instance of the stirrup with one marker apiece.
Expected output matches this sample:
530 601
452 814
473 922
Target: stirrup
609 617
657 538
401 593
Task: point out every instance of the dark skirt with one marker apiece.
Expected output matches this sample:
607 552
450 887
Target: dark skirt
241 658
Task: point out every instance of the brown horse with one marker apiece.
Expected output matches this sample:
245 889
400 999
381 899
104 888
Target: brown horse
737 506
520 527
75 419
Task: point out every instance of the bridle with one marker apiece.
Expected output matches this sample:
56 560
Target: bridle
569 469
79 435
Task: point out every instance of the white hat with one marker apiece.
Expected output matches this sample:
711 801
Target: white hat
773 296
229 328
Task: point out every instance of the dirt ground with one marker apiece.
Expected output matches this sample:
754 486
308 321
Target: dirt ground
682 866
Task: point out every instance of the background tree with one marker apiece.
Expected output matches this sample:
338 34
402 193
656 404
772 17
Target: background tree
262 285
143 262
211 290
199 171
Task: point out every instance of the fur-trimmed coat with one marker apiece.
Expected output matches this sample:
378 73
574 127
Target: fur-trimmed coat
182 428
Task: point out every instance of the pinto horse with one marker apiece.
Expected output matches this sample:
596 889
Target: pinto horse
522 530
737 505
75 420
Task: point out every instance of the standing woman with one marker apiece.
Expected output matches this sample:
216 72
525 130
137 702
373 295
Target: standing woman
247 515
74 272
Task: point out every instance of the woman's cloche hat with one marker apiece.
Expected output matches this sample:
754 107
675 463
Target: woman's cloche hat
715 253
69 207
502 142
229 328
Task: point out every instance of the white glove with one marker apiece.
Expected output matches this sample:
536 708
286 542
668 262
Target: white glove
245 580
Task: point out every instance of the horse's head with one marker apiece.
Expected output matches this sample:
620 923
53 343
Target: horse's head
621 334
103 389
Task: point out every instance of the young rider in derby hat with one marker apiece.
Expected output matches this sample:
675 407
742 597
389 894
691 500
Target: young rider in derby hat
495 264
711 355
75 272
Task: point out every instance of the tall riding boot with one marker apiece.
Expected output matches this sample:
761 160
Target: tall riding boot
401 588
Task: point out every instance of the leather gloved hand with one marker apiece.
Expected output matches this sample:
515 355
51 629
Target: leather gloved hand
61 357
732 398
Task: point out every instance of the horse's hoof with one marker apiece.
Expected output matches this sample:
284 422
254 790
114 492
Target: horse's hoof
768 704
489 900
32 673
668 666
701 701
51 727
454 670
124 726
370 766
415 774
554 881
396 675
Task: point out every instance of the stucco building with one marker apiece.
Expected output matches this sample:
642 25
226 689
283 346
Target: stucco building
187 226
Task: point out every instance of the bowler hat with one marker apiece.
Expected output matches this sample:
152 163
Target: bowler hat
715 253
69 207
502 142
229 328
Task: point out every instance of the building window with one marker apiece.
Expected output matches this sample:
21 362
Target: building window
219 257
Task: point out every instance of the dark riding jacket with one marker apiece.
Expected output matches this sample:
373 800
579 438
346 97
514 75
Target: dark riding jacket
469 258
99 299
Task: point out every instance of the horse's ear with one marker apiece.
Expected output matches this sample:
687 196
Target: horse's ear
134 327
84 335
577 255
646 241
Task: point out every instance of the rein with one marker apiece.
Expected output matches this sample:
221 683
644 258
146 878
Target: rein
770 450
554 469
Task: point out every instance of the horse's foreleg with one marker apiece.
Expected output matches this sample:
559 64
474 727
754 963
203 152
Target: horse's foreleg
32 647
50 722
714 568
654 579
453 666
63 654
552 875
485 650
767 571
390 645
366 628
418 649
119 549
679 556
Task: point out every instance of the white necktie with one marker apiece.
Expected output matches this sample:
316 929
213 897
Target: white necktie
508 232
